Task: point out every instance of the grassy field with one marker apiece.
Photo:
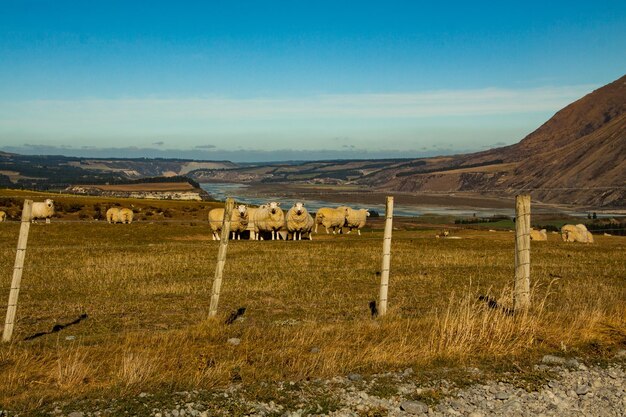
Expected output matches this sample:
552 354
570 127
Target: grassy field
146 288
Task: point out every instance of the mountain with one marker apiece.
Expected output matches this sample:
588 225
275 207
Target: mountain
577 157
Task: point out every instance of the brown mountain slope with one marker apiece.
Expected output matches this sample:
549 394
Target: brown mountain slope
577 157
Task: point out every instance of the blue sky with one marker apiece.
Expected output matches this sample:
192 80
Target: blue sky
245 80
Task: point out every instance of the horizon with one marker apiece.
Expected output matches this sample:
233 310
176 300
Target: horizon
250 83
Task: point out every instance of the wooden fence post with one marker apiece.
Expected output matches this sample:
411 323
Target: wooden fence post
521 290
221 257
384 272
9 322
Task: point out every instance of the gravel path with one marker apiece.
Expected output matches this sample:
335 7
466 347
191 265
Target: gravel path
573 390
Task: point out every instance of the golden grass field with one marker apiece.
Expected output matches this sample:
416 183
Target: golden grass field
146 289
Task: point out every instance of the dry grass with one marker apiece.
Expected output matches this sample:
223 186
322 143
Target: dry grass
146 289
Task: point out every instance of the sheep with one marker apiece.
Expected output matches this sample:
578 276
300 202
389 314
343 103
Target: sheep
539 235
113 215
299 221
3 216
126 215
333 218
578 233
269 218
238 221
42 210
251 228
355 219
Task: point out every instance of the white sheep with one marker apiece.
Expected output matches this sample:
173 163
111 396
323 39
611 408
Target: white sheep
42 210
355 219
251 227
330 218
238 221
3 216
299 221
539 235
119 215
578 233
113 215
126 215
269 218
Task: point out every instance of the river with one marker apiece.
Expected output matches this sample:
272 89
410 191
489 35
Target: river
241 193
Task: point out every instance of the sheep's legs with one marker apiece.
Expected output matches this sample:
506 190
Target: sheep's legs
359 231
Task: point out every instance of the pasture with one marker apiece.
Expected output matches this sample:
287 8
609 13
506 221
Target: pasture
146 289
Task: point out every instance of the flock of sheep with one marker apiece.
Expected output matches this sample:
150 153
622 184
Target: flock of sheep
270 220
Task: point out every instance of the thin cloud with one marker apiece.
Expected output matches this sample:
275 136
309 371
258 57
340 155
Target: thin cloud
401 105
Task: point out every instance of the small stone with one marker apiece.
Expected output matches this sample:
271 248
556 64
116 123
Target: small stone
355 377
475 414
143 395
70 337
234 341
408 371
502 396
76 414
572 364
414 407
621 353
315 350
582 389
552 360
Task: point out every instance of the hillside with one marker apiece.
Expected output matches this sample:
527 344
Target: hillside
577 157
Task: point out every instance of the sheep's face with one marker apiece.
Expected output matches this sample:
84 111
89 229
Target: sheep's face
49 203
273 207
367 213
299 208
243 210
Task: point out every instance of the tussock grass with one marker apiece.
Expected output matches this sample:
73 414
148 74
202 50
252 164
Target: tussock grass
146 289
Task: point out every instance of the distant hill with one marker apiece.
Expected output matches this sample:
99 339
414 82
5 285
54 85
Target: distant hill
577 157
46 172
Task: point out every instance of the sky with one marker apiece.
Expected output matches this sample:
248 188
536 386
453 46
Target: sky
295 80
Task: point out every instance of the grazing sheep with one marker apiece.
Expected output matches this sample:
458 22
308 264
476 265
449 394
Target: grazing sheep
578 233
355 219
333 218
269 218
113 215
3 216
539 235
43 210
126 215
119 215
238 221
299 221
